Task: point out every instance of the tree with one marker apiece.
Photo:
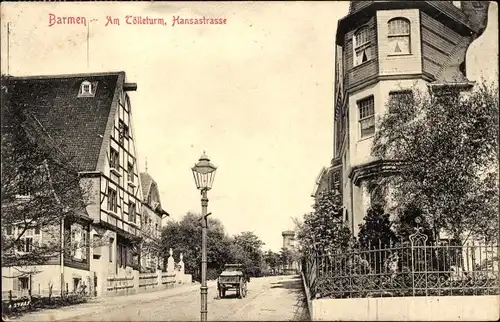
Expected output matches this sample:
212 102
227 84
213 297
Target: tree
286 257
375 232
251 246
323 230
40 186
447 143
184 237
272 260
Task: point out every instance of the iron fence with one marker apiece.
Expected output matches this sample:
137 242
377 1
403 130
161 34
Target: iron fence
411 268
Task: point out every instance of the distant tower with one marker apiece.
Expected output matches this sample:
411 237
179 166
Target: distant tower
288 239
289 243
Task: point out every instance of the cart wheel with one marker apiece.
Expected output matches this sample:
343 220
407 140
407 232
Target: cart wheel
221 292
245 290
241 293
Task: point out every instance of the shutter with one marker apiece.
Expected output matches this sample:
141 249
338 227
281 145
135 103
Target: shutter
119 255
20 245
72 240
124 254
83 244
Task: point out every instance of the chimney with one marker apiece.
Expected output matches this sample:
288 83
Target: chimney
128 87
477 12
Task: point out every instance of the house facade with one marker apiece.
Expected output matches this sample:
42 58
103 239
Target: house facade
387 48
89 117
153 215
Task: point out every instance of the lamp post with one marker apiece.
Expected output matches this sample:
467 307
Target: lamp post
204 173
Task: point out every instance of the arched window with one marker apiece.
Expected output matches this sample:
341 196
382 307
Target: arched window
399 36
362 46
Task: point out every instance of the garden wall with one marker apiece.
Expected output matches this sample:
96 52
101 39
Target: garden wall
430 308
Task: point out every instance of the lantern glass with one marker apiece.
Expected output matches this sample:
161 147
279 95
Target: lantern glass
204 173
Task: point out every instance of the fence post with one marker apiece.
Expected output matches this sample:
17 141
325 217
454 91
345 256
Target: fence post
11 304
418 240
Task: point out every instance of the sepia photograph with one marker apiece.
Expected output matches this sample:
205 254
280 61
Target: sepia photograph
250 161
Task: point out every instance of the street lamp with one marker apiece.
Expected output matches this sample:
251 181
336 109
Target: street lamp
204 173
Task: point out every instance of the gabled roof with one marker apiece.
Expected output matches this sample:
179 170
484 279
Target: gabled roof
76 124
147 183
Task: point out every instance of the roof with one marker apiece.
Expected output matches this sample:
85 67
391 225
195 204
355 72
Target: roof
76 125
460 20
146 182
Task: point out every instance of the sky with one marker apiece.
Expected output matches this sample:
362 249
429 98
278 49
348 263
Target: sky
256 94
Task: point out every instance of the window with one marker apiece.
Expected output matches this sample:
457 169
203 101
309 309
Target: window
79 242
25 245
399 36
124 255
131 212
76 283
37 230
87 89
336 182
9 230
119 255
112 200
377 195
114 159
366 116
362 46
110 249
123 131
399 99
130 172
24 283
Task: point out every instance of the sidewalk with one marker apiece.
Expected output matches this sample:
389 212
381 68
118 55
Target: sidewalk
105 303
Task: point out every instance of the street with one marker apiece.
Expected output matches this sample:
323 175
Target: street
278 298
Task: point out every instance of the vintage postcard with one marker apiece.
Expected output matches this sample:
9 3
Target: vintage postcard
250 161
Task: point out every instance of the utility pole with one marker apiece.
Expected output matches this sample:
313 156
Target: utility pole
8 48
88 42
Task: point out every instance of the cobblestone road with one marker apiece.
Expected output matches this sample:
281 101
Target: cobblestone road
277 298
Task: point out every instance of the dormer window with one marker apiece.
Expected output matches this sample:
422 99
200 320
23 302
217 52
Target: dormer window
87 89
399 36
362 46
